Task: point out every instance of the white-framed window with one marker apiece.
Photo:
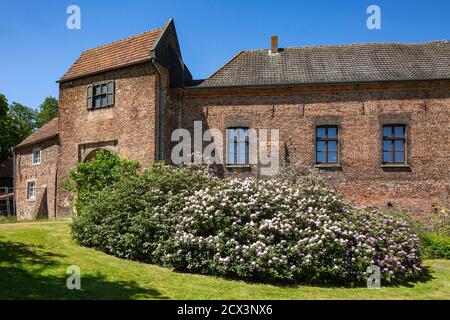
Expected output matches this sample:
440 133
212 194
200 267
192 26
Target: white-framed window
36 157
31 189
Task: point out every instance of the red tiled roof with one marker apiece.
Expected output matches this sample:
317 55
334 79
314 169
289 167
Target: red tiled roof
48 130
114 55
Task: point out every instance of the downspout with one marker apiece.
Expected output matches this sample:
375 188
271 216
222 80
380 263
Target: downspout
56 194
160 154
180 108
14 181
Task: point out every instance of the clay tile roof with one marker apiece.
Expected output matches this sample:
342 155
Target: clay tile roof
114 55
47 131
366 62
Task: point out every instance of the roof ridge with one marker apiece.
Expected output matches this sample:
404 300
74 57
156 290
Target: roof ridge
355 44
121 40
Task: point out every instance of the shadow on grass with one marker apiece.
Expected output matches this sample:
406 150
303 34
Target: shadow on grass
424 276
30 272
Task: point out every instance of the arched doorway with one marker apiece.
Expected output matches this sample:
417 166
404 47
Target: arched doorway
91 155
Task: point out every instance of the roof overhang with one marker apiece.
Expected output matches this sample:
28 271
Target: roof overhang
320 86
19 146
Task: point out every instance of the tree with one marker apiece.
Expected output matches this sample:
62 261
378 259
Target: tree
4 124
3 106
48 110
24 117
17 123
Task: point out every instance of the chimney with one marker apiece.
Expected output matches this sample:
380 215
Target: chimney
274 45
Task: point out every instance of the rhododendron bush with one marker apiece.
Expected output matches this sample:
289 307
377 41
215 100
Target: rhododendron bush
271 230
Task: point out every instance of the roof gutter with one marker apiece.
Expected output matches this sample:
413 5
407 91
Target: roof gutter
35 141
89 74
311 84
14 182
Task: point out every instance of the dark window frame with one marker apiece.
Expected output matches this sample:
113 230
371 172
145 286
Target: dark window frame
326 139
235 142
106 97
393 137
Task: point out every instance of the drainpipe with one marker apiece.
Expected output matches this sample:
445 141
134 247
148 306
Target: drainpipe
14 190
180 108
160 154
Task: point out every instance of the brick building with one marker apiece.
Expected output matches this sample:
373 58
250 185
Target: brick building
373 116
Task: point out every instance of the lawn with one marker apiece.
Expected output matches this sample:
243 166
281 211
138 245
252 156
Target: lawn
34 258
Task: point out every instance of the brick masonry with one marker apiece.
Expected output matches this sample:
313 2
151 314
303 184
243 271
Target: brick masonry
127 128
45 176
359 111
130 128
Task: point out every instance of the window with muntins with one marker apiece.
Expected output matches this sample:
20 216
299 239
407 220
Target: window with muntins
238 146
36 156
394 143
31 190
327 145
100 95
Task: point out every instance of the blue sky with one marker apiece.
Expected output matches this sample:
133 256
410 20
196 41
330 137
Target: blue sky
36 48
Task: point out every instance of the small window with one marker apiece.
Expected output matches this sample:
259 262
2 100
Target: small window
327 145
36 156
394 143
238 146
31 190
100 95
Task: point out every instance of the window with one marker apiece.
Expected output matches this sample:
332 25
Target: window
238 146
327 145
31 190
36 156
100 95
394 144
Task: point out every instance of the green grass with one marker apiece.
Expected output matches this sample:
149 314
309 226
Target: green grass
34 258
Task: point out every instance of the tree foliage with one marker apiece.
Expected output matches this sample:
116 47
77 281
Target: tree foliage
92 176
18 121
48 110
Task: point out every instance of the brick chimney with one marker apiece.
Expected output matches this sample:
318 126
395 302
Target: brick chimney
274 45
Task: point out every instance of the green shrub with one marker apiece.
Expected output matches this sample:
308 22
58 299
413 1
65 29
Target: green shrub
91 177
435 246
271 230
440 221
122 220
5 219
274 231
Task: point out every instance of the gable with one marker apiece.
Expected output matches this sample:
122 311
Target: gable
114 55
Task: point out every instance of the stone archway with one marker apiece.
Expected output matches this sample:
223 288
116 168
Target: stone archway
91 155
88 151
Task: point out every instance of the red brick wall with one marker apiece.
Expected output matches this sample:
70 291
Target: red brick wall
359 111
44 174
129 127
